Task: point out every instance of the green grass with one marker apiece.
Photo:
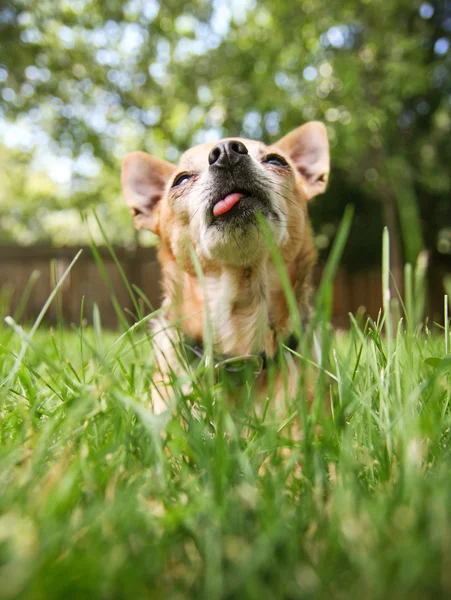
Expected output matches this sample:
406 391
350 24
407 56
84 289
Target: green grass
99 498
96 503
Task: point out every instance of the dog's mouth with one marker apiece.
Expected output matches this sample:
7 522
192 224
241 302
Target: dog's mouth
224 206
238 206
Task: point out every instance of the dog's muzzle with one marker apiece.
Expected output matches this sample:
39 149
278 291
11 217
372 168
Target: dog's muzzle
237 191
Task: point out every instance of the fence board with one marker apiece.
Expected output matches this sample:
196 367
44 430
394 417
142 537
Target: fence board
352 290
85 279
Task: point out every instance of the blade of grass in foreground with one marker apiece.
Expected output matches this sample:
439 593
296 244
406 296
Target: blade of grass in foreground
334 257
446 319
386 293
119 266
282 273
409 302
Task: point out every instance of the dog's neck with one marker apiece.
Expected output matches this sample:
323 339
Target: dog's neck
244 306
238 306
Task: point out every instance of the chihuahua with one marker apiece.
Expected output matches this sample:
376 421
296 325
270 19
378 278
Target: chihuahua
210 212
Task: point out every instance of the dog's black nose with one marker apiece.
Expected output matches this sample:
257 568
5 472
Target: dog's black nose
227 154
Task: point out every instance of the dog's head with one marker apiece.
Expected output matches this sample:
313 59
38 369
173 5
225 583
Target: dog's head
211 199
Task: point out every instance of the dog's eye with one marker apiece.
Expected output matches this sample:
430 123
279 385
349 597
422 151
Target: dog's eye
276 160
181 179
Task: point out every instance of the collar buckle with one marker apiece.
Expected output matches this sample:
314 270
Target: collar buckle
238 365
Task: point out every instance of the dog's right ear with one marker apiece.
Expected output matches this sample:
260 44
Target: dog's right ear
308 148
144 179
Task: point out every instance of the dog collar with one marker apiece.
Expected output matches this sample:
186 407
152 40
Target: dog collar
239 365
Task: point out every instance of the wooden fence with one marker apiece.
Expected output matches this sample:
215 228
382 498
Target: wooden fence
27 278
28 274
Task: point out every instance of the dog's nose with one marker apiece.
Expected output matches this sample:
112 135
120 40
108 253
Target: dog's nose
227 154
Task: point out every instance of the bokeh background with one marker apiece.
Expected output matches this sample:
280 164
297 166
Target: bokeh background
83 82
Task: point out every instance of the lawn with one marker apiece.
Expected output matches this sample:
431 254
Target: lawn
99 498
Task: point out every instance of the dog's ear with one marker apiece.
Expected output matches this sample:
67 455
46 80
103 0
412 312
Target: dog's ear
144 179
308 148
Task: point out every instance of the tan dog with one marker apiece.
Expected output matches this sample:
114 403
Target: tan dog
208 204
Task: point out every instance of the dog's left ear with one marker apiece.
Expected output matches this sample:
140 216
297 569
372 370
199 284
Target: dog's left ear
144 180
308 148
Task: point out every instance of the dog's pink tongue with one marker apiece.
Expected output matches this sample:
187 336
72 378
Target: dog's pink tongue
223 206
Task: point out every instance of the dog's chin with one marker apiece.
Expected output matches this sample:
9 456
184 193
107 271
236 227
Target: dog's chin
237 241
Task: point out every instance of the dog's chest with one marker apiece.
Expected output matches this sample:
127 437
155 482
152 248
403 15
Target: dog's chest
238 309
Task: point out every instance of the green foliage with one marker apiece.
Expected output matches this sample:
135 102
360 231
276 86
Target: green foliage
86 81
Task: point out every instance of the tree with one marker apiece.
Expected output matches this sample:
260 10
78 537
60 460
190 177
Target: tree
93 80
